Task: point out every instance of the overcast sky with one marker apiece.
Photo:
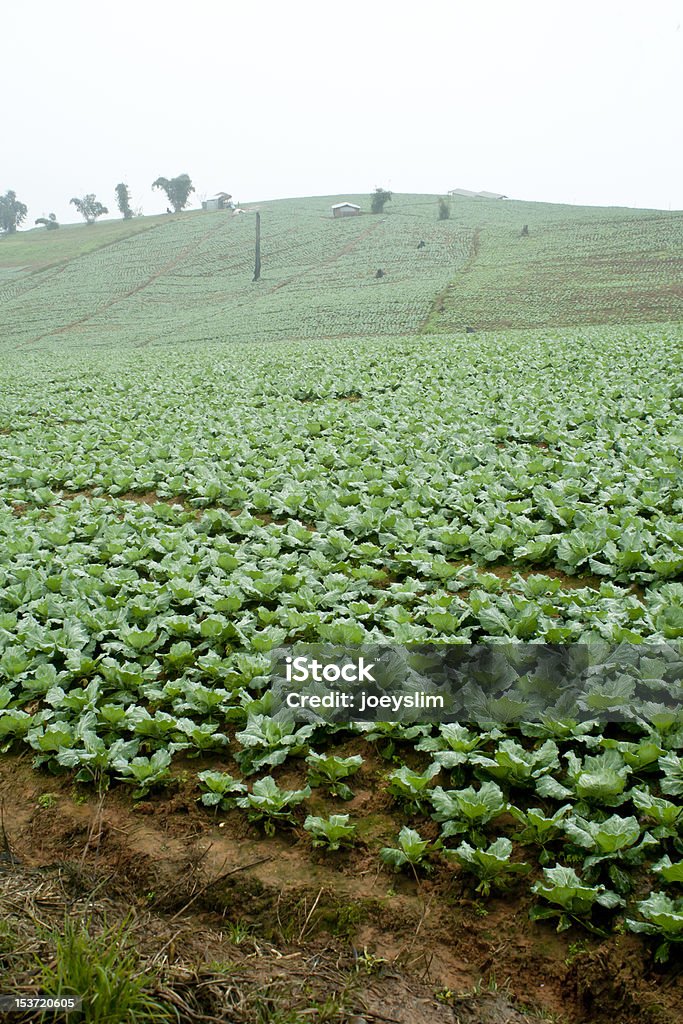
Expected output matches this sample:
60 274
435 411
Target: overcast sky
576 102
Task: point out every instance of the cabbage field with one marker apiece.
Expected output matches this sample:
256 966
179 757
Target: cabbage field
182 495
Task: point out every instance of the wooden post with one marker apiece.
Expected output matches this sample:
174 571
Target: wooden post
257 262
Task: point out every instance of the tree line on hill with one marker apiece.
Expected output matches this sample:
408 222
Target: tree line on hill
13 212
178 190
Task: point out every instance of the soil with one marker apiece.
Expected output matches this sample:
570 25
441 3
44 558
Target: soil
204 890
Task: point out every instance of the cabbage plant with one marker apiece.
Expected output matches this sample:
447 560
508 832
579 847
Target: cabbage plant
411 850
571 901
271 805
491 866
663 917
331 832
328 770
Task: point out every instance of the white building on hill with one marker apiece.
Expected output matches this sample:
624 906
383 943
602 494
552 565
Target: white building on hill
221 201
345 210
466 193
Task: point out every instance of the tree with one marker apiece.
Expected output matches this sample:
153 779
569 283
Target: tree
123 201
12 212
379 197
177 190
444 209
50 222
89 208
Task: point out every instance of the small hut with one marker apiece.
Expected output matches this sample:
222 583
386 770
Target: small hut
221 201
345 210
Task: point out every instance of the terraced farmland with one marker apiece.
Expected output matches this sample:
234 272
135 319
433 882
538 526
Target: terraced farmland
197 470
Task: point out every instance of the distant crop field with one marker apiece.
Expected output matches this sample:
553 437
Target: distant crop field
188 278
576 266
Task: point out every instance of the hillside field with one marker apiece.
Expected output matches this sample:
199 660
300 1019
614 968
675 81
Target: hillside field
197 470
187 278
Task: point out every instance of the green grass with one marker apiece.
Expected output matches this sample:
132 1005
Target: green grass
104 969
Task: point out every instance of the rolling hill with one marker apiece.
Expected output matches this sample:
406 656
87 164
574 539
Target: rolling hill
188 278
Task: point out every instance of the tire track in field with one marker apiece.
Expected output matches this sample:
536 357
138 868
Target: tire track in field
40 276
165 269
439 301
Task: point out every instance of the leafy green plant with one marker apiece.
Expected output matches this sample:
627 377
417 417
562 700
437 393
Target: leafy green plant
411 788
663 918
269 741
641 757
666 815
572 901
271 805
614 839
412 849
467 810
513 764
329 770
672 767
453 744
222 790
597 779
539 829
146 772
491 866
332 832
671 872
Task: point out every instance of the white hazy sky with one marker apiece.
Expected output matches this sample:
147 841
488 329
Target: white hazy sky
576 102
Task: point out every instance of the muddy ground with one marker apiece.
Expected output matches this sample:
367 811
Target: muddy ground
237 927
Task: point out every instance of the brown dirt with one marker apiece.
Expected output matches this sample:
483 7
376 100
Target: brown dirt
152 498
408 952
506 572
140 498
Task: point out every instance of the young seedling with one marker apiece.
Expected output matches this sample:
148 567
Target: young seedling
272 805
492 866
331 832
222 790
411 850
329 770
